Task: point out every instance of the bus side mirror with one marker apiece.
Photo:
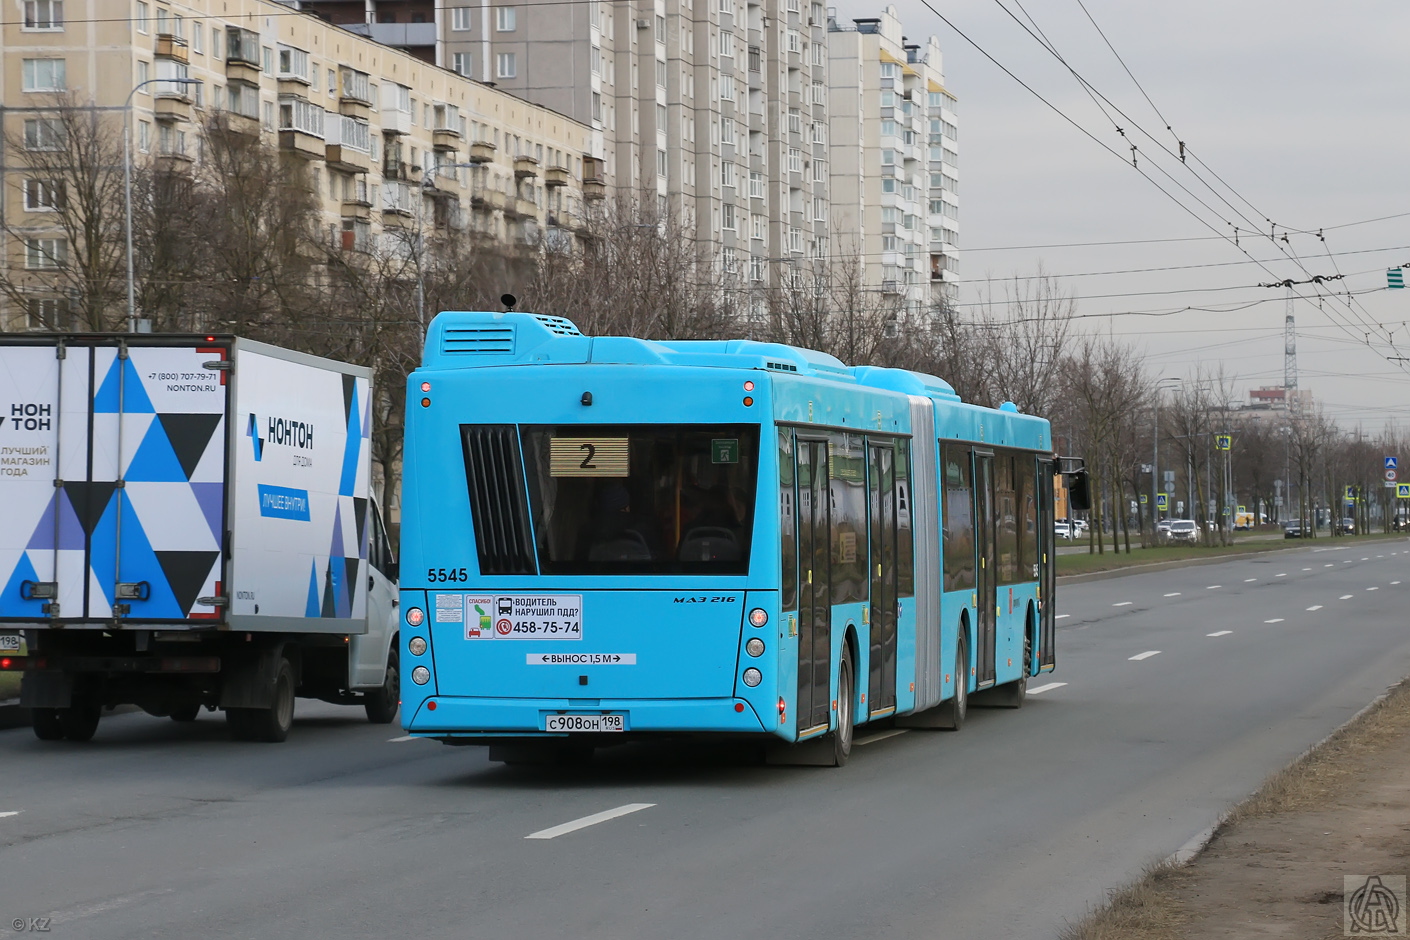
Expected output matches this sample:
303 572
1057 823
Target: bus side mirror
1078 496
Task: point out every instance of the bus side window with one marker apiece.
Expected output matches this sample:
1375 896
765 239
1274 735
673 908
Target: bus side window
788 536
956 468
905 549
847 486
1006 521
1026 470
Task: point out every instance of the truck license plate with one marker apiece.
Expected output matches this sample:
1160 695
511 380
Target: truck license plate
584 723
9 643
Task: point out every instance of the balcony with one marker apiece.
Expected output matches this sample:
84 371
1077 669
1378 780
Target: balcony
444 138
173 107
172 162
357 210
525 167
556 176
348 159
240 124
594 189
482 151
302 144
396 122
396 34
172 47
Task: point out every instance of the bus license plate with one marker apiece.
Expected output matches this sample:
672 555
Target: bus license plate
9 643
584 723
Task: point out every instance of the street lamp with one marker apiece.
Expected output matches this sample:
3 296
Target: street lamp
127 184
426 180
1167 382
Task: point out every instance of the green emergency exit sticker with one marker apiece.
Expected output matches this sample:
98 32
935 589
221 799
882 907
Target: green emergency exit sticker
724 450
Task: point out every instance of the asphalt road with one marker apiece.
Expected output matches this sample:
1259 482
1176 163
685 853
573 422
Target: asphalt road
1181 691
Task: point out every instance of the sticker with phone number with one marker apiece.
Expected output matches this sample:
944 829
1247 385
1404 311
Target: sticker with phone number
524 617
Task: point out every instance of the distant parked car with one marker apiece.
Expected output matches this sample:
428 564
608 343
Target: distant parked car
1348 524
1062 530
1292 529
1184 530
1079 527
1162 527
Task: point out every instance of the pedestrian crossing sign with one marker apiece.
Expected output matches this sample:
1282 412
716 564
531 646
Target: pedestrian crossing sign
1162 501
1402 490
1223 441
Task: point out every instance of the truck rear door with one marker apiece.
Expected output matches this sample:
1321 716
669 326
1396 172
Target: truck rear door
135 530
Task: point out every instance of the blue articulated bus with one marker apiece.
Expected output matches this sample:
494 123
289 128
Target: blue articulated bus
606 537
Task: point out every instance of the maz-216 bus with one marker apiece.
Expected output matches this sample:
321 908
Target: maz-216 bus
605 537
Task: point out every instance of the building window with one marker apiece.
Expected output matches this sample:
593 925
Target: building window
44 75
595 59
43 195
268 60
728 174
45 254
795 41
141 20
300 114
756 268
460 19
48 313
505 65
460 63
504 19
795 121
756 184
727 217
144 73
44 134
755 59
819 171
44 14
293 63
660 163
727 45
758 222
198 39
819 93
727 131
596 106
795 160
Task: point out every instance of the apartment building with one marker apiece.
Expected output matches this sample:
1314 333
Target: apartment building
714 108
895 158
390 141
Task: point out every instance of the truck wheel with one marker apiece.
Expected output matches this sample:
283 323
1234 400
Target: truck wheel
267 724
185 713
382 704
48 725
80 720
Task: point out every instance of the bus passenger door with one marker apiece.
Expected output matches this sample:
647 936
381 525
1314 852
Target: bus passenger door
881 684
985 542
815 589
1047 567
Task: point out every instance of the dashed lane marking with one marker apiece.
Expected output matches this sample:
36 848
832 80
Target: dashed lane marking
576 824
1274 620
1365 559
1173 594
1062 616
1122 604
1315 607
1345 597
1306 569
1373 589
1213 587
405 737
1146 655
883 735
1395 582
1283 575
1046 688
13 812
1247 580
1220 633
1329 565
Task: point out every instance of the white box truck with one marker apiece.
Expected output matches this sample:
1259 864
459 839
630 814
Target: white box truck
187 523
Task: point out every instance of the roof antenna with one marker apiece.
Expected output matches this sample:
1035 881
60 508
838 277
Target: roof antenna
509 300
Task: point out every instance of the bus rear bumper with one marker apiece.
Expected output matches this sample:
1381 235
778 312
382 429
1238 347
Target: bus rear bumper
494 718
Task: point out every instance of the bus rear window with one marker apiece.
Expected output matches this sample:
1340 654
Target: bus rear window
642 499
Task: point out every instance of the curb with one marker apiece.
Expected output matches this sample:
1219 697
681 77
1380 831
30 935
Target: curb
1166 565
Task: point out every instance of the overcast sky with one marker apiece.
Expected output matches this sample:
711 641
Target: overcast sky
1301 107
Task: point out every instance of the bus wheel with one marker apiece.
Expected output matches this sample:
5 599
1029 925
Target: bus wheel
1012 694
950 715
48 725
842 737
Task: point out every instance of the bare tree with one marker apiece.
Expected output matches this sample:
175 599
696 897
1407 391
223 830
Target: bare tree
74 257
